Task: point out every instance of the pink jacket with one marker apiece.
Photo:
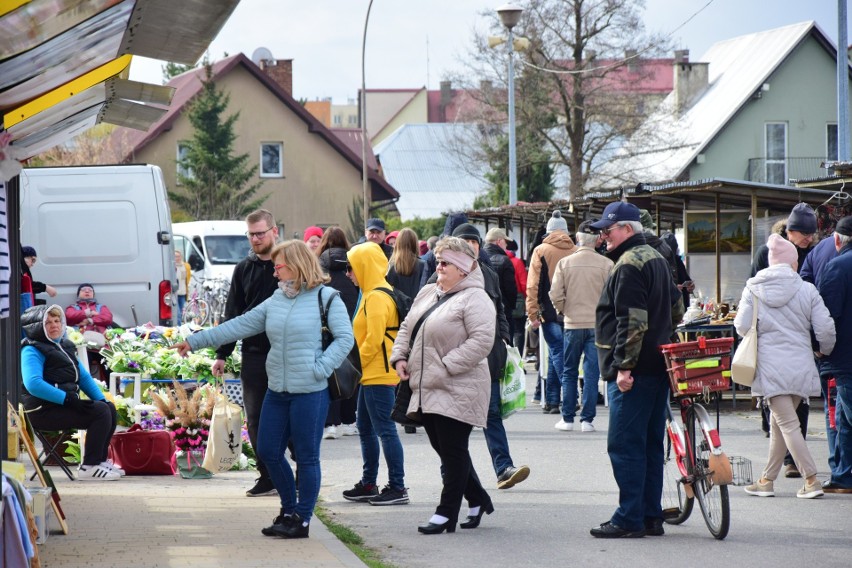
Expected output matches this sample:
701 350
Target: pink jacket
101 316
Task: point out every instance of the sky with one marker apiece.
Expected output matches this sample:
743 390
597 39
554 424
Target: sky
415 43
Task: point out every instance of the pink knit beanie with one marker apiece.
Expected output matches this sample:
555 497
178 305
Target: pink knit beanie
312 232
781 251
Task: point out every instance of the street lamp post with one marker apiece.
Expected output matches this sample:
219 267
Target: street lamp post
364 174
509 16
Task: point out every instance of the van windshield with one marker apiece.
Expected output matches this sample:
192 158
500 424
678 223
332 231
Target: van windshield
226 249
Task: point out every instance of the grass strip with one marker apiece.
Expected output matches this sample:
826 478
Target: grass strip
351 539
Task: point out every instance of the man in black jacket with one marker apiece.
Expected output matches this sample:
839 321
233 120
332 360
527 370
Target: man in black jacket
495 434
637 312
496 240
253 282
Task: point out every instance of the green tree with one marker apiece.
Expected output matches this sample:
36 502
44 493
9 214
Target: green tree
171 70
535 172
216 184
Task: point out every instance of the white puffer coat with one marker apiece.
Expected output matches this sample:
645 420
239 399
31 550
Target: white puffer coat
448 362
788 308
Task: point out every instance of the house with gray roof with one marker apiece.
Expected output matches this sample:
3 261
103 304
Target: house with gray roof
760 107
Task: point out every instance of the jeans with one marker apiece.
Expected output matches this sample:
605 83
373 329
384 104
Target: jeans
637 423
579 342
830 433
255 384
180 306
842 472
375 403
553 386
297 417
495 433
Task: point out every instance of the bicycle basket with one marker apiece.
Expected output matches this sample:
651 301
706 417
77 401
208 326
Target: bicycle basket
742 470
699 366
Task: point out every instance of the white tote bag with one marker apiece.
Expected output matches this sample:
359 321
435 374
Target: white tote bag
744 363
224 444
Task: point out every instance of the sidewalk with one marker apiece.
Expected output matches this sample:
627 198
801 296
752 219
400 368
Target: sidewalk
162 521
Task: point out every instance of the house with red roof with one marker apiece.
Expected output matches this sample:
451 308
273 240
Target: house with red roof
312 175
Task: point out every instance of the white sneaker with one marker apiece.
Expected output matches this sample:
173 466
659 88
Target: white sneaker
564 426
330 433
111 465
348 430
96 473
587 427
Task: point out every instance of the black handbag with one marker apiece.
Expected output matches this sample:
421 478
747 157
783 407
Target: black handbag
345 378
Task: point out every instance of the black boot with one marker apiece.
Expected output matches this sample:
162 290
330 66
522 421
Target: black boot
295 529
279 524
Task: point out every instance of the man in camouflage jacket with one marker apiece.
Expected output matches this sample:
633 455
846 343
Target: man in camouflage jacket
638 310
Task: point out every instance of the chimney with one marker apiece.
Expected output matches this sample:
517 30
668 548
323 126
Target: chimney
591 54
280 71
485 86
632 60
690 80
446 92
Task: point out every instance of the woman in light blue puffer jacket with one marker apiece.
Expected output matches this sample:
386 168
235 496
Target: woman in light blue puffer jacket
297 401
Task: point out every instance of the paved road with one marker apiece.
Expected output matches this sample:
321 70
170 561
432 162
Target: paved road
545 521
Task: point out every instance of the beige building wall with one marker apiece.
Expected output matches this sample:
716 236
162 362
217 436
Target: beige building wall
415 112
318 185
383 105
344 116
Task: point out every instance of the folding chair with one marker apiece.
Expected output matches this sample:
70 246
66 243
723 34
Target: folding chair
53 449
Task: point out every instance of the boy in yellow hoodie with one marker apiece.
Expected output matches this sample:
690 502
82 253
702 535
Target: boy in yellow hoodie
375 326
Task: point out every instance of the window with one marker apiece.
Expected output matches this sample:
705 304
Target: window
831 151
338 120
182 153
270 159
353 119
776 152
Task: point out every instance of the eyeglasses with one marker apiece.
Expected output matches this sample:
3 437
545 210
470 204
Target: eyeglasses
280 266
258 235
608 230
443 263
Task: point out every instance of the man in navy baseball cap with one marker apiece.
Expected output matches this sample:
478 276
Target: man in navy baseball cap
616 212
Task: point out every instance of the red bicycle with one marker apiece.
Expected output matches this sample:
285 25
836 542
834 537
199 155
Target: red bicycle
696 468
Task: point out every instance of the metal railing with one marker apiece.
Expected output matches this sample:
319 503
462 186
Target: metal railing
763 170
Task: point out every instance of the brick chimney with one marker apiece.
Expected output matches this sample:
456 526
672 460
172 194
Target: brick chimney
690 80
280 71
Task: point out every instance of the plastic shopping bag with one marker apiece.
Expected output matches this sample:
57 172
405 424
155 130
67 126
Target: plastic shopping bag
513 396
224 444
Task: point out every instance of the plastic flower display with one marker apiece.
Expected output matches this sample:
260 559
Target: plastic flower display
187 417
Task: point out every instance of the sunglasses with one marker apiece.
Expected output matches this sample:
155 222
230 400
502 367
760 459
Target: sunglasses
348 268
443 263
258 235
280 266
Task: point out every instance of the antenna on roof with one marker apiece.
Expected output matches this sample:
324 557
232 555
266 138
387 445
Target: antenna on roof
261 54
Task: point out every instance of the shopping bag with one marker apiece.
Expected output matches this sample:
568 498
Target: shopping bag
224 443
513 396
143 452
744 363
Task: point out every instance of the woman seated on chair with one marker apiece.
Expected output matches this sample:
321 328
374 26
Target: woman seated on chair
53 378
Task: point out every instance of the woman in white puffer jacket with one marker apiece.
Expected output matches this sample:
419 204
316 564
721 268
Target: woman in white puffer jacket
787 309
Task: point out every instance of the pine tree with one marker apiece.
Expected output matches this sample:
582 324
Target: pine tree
217 184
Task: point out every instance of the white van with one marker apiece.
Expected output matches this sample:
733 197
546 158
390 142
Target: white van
212 248
106 225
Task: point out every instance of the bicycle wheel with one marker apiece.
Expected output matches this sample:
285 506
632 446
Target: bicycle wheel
712 498
196 312
677 503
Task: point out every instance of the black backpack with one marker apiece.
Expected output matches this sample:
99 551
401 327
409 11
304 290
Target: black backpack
401 301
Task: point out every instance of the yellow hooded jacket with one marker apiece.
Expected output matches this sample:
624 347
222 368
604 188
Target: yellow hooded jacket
376 313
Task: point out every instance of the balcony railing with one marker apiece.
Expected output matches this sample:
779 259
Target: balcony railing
762 170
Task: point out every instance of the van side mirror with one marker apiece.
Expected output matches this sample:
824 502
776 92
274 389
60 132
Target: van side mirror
196 262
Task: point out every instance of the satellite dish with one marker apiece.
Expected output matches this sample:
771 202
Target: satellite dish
261 54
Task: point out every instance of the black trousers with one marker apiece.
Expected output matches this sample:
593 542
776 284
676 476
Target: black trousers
97 417
255 384
342 411
449 438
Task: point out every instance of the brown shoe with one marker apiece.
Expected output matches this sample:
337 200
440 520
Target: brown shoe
791 471
829 487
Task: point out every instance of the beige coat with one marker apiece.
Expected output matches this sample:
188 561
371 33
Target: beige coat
447 363
577 284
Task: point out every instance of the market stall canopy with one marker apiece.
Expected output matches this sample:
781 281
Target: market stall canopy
64 63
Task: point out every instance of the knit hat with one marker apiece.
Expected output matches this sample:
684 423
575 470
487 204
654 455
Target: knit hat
557 223
781 251
844 227
467 232
312 232
646 220
802 219
27 252
84 285
391 235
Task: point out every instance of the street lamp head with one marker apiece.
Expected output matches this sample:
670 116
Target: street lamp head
510 15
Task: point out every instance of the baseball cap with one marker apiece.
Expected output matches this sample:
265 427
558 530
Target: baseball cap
844 227
616 212
586 227
375 224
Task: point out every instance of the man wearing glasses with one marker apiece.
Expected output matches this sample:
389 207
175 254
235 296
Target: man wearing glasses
638 310
252 283
800 229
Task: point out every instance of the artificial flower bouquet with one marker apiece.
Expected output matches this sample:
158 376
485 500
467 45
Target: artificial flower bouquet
187 416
